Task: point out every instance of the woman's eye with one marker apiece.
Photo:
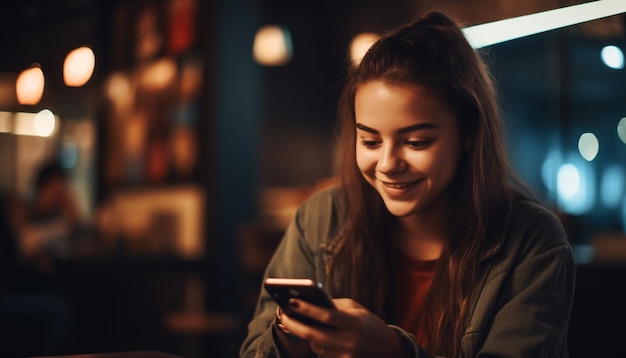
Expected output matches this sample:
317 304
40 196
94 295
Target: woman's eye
370 143
418 143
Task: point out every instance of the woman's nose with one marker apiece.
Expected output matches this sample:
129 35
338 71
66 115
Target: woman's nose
391 160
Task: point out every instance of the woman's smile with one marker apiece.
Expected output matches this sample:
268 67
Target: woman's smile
399 188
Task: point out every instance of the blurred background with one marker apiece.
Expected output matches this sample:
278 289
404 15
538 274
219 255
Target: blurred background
152 153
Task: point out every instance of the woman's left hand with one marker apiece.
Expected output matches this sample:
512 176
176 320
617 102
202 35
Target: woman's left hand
358 332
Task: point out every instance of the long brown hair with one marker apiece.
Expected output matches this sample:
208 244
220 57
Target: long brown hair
432 53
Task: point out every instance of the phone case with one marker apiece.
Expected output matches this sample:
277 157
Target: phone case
282 290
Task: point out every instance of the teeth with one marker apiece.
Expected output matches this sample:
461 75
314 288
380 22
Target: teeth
397 186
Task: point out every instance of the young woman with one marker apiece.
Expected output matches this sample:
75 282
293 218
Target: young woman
429 245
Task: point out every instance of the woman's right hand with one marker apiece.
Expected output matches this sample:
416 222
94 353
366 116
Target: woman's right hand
358 332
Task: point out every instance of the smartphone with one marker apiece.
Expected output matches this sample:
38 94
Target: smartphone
283 289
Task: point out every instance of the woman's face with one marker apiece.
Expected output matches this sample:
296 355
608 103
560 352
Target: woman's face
408 145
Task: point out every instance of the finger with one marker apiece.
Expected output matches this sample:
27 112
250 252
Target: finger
302 330
330 337
313 333
346 304
321 314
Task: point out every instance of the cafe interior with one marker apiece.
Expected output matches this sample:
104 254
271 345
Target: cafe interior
187 133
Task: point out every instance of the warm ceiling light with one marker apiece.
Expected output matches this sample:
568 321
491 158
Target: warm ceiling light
44 123
509 29
29 85
272 46
359 46
78 67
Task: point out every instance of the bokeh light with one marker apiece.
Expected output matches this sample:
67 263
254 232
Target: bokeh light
568 181
69 155
613 57
550 167
120 92
30 85
159 74
44 123
79 66
272 46
612 186
576 185
588 146
359 46
621 130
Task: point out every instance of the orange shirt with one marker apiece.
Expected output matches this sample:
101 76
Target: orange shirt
413 282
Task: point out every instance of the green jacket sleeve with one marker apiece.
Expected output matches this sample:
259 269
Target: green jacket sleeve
524 306
299 255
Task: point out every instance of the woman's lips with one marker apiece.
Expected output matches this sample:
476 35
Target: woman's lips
396 189
398 185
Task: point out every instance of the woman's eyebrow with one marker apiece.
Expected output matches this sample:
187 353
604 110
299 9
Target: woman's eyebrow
366 128
412 128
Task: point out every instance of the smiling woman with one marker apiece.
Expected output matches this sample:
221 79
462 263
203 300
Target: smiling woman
430 244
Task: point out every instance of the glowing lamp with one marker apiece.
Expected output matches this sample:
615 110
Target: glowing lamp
588 146
272 46
496 32
78 67
44 123
29 85
613 57
359 46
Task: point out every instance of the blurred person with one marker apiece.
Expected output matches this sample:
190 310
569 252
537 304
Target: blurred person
50 220
431 244
33 319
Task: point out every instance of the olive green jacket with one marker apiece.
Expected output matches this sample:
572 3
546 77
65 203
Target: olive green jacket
520 308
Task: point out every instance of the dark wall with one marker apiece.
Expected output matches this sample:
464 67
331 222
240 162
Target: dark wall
298 100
